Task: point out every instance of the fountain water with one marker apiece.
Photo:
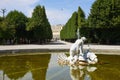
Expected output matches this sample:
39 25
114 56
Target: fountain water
78 33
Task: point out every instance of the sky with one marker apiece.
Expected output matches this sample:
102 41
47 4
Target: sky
57 11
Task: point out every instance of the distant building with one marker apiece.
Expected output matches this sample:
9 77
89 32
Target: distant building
56 31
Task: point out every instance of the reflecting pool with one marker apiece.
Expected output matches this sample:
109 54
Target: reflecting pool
45 67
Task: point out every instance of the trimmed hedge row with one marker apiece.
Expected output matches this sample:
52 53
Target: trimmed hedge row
101 35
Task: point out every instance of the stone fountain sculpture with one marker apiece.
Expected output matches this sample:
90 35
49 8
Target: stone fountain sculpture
78 60
77 54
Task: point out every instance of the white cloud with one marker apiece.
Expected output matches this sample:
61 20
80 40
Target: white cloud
25 6
54 14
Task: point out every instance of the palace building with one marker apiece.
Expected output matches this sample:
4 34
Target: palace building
56 31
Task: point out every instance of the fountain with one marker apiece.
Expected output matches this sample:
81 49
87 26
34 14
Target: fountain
78 60
77 54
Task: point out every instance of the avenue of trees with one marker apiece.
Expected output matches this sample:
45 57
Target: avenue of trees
76 21
101 26
16 28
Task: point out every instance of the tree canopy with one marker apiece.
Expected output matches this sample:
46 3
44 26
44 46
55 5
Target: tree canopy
104 21
105 13
39 25
69 31
17 28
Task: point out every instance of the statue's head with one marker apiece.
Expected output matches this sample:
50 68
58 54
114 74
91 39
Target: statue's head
83 38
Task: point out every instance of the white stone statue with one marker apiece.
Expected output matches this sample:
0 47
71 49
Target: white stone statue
77 55
79 70
76 49
79 61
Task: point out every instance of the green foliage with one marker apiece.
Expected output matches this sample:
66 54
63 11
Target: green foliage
12 26
6 31
16 22
1 18
81 18
104 22
39 25
102 25
76 21
69 30
105 13
17 28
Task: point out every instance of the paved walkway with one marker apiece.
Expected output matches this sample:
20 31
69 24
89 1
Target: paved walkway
57 47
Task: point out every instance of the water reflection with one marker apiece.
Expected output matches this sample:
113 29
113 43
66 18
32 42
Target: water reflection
81 72
17 67
108 68
77 71
45 67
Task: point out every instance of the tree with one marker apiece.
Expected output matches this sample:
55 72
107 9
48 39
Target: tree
46 25
69 31
0 27
81 18
16 22
6 32
105 13
104 18
39 25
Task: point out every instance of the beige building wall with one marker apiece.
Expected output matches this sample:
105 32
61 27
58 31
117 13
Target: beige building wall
56 31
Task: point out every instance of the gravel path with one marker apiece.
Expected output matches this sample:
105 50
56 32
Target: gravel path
57 46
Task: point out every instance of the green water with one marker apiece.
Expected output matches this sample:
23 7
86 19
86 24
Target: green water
45 67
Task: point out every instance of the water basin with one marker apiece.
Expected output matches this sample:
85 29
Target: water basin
45 67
